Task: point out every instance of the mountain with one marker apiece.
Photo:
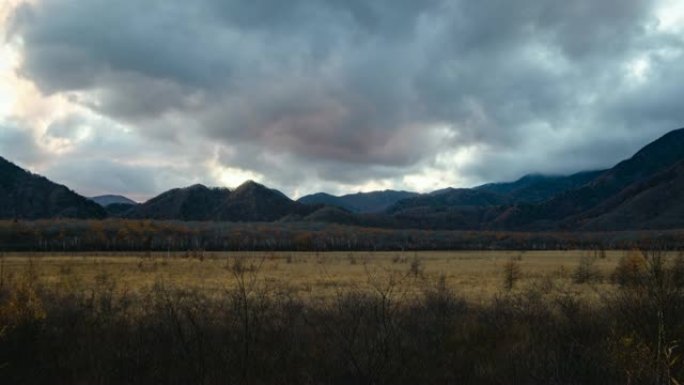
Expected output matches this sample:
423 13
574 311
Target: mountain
535 188
571 207
652 204
638 193
251 202
106 200
447 209
370 202
24 195
449 198
193 203
326 199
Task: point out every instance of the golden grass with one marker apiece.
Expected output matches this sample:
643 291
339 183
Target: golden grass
476 275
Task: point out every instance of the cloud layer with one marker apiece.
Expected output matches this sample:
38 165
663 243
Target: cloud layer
337 95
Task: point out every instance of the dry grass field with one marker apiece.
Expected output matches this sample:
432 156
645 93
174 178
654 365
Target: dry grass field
475 275
539 317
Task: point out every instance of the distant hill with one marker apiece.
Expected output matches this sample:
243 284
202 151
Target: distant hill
370 202
193 203
447 208
106 200
326 199
449 198
24 195
535 188
251 202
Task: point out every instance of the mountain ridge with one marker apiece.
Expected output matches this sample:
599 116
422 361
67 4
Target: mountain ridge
655 157
642 192
361 202
24 195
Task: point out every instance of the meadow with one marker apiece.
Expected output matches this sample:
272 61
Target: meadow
476 317
478 276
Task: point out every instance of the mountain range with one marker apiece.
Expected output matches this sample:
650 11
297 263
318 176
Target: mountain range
645 191
250 202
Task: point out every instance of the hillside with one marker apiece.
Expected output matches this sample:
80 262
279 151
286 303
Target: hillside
449 198
251 202
536 188
24 195
656 203
654 158
369 202
193 203
450 208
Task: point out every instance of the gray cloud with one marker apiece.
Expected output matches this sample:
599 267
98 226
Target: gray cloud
18 145
323 92
101 176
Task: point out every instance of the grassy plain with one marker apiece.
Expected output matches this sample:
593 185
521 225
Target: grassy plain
475 275
570 317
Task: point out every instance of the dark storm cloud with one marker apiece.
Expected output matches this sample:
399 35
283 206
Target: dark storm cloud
351 91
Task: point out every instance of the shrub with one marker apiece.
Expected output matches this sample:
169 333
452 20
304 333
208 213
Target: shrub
416 267
511 274
630 269
586 271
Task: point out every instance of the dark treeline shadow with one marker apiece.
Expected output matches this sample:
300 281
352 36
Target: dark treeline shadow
65 235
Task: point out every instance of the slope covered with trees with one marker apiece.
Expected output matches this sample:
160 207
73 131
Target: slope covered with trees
368 202
24 195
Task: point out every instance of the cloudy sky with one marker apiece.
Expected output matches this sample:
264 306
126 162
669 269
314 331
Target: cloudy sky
134 97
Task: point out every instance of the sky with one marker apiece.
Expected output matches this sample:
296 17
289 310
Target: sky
136 97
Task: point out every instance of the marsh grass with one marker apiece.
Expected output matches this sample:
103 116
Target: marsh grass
475 275
235 319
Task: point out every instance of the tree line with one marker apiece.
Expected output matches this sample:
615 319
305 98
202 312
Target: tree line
148 235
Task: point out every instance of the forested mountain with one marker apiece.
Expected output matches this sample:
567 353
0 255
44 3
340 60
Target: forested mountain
656 203
561 210
643 192
254 202
24 195
249 202
369 202
535 188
